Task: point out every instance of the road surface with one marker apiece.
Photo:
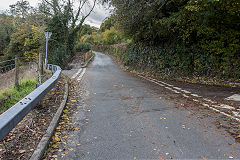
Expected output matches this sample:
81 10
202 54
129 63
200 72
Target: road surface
127 117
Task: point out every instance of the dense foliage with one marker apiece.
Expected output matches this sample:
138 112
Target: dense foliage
107 34
190 37
65 21
23 26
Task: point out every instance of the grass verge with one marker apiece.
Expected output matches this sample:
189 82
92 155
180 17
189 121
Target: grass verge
9 97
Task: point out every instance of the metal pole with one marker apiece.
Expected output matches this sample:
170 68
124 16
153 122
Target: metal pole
46 52
47 35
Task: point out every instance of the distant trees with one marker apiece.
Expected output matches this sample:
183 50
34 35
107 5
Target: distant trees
22 29
6 30
107 24
107 34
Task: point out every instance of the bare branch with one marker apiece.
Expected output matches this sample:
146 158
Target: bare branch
83 19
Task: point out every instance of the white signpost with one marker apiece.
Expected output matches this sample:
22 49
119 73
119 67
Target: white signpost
47 35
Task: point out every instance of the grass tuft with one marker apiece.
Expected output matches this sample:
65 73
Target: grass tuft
9 97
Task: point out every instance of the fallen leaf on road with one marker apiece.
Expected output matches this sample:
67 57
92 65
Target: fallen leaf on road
43 120
237 139
64 116
55 146
218 130
161 158
70 149
54 156
64 137
204 158
22 151
57 139
232 144
232 153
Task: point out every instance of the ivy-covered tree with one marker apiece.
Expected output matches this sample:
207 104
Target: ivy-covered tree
64 20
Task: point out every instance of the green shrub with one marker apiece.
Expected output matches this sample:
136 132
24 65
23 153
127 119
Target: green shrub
82 47
9 97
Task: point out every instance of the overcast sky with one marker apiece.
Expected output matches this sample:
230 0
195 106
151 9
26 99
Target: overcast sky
95 19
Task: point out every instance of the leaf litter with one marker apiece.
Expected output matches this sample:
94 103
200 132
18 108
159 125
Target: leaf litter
24 138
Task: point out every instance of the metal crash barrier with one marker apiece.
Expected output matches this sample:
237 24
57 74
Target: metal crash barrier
10 118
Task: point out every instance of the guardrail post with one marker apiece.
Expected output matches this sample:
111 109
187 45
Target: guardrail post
16 78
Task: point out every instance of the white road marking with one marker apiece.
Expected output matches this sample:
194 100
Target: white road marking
228 115
76 74
185 91
236 113
206 105
151 81
169 85
195 95
206 99
224 106
163 83
168 88
177 88
81 75
235 97
175 91
209 100
184 95
195 100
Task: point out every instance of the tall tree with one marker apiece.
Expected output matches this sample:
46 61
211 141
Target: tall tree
70 17
20 8
65 20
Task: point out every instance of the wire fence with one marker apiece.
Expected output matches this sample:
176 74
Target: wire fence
13 71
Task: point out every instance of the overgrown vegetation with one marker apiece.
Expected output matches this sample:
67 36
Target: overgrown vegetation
83 47
181 37
23 26
9 97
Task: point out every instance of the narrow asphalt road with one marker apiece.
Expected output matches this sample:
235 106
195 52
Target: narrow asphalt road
132 118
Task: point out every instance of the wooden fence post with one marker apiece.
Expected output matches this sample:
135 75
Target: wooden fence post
40 63
16 75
